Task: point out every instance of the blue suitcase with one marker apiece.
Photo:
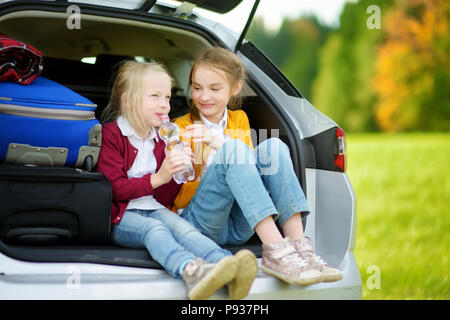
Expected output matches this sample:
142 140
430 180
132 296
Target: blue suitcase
46 123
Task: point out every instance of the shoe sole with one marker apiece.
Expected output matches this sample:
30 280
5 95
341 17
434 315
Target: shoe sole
245 274
332 277
221 274
302 282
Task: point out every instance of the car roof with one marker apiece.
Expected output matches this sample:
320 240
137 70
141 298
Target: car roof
218 6
186 10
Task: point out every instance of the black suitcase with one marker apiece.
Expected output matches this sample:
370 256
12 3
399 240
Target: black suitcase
41 205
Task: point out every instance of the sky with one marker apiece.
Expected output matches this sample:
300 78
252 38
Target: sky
273 11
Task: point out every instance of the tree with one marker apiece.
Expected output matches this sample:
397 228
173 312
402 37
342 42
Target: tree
301 65
276 45
293 48
412 77
343 88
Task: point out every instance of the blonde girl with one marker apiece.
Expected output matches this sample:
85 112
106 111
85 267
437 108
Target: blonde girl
132 157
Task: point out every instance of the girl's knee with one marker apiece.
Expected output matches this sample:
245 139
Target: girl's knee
272 143
272 147
236 145
153 226
186 229
236 151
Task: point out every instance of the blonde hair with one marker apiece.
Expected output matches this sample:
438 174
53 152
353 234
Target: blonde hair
127 92
224 60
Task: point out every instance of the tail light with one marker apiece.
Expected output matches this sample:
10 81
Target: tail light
340 156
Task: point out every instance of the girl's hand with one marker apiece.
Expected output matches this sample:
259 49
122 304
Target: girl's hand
188 151
200 133
174 162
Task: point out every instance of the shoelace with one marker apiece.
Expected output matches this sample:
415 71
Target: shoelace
191 269
294 259
319 260
308 253
198 267
315 258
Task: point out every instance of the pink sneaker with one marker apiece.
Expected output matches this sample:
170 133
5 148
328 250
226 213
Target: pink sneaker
305 250
281 260
202 279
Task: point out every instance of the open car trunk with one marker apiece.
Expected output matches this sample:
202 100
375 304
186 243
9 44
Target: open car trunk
106 41
93 81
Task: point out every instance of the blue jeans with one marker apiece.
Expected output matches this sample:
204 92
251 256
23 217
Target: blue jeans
170 239
241 187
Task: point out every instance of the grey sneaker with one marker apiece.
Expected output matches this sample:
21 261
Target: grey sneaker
245 274
203 279
281 260
305 250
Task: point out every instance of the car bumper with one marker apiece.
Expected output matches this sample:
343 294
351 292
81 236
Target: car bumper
69 281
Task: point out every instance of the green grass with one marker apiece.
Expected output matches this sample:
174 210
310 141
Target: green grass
402 185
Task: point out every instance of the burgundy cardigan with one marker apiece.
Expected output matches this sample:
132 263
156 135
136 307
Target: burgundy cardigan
116 157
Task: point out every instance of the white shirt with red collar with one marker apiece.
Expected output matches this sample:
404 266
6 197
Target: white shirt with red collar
144 163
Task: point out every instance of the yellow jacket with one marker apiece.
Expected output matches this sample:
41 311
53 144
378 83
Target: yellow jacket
238 127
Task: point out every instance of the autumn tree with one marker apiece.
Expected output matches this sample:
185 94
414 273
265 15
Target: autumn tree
412 78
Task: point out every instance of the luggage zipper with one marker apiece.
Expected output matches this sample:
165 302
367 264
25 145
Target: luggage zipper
33 173
56 114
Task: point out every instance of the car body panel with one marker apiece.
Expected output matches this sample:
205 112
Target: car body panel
69 281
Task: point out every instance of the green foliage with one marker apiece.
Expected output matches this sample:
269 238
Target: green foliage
293 48
301 67
394 77
277 46
343 88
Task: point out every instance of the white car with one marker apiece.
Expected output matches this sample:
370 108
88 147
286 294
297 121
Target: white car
81 44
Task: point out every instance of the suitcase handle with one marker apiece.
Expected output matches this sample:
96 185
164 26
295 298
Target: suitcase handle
38 235
88 164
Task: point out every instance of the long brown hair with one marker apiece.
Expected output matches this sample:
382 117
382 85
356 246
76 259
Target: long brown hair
226 61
